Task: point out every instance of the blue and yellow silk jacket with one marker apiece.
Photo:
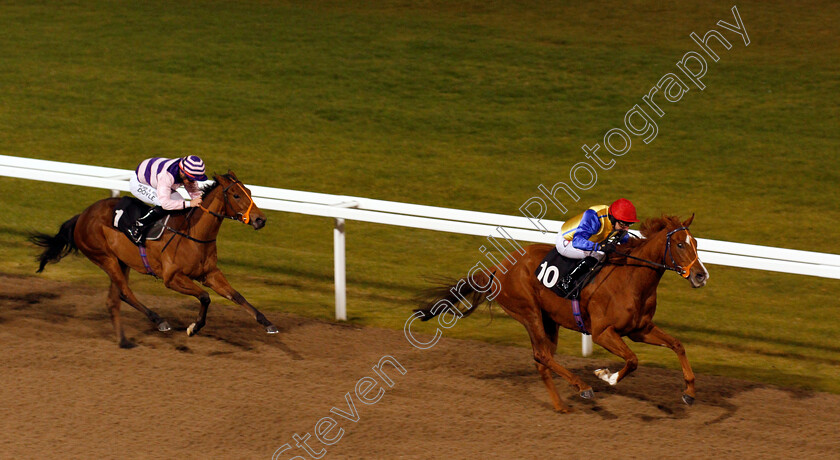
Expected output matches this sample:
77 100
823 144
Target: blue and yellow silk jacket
588 230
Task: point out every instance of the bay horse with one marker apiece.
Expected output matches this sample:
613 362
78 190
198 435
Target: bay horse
185 252
619 302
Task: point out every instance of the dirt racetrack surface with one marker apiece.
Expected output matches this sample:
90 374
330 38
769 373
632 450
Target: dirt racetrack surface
68 391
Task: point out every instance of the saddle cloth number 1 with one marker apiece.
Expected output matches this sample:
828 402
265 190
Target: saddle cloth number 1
117 215
548 275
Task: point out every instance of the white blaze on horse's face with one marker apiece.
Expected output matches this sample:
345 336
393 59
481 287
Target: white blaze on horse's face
698 275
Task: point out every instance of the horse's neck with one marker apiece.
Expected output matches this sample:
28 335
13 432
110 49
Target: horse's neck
207 226
653 250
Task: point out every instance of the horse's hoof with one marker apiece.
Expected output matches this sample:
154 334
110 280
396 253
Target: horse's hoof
191 330
587 394
564 410
164 327
688 400
126 344
605 375
272 329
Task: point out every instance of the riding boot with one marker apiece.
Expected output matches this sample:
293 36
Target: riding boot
570 280
138 229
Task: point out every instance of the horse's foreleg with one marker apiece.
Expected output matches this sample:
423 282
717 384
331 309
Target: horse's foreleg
217 281
610 340
656 336
182 283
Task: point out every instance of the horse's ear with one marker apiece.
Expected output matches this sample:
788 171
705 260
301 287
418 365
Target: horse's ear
688 221
231 174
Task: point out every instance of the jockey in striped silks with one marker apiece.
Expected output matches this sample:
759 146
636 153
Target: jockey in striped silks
155 182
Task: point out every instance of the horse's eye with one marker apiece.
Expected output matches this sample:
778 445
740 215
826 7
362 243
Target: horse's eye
235 196
679 245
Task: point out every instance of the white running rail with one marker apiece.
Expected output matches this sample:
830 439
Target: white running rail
341 208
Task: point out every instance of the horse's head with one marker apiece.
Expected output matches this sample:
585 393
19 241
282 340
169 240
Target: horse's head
238 204
681 254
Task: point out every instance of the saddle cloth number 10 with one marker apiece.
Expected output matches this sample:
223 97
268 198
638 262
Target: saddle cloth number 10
548 275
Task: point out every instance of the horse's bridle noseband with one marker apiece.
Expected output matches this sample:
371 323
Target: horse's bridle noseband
244 218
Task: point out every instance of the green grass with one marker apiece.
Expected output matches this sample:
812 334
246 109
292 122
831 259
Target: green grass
467 105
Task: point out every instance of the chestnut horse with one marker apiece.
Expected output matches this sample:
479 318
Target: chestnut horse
186 252
619 302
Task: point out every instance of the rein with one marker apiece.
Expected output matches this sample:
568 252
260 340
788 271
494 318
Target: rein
684 272
179 232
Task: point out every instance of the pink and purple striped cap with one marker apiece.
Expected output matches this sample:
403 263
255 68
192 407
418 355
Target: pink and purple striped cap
193 167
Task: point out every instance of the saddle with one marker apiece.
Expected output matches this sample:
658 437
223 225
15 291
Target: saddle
554 267
128 210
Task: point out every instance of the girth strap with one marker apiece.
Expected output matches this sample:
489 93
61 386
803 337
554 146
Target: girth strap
146 260
578 318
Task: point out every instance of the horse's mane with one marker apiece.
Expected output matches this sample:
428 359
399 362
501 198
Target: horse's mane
651 227
205 190
656 224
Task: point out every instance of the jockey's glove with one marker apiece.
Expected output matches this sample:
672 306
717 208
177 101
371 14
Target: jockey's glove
607 248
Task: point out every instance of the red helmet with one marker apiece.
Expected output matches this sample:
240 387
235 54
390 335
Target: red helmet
622 209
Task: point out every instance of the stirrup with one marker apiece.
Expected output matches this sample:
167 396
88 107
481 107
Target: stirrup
566 283
137 234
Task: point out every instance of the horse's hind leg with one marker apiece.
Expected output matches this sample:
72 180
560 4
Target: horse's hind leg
544 348
114 309
610 340
656 336
217 281
551 329
118 272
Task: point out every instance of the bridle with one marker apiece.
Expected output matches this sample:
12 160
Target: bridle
241 217
682 271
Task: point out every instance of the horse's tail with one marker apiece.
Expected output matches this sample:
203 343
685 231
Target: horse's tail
454 293
58 246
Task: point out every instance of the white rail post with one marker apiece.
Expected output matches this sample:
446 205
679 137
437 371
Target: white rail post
340 275
340 263
586 345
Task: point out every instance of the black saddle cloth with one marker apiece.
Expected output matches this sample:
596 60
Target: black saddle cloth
555 267
128 210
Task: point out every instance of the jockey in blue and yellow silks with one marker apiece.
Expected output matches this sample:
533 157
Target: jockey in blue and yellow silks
585 236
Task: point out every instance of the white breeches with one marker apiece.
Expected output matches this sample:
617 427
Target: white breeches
147 193
565 248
